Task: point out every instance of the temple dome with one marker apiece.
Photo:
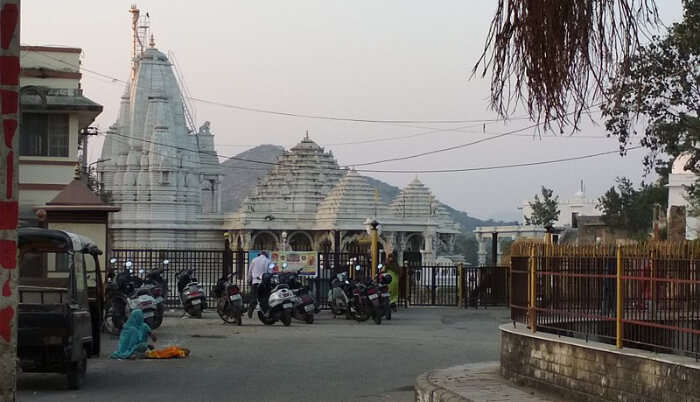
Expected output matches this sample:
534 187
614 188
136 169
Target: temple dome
297 184
351 200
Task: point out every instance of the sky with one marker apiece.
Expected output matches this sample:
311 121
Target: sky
388 60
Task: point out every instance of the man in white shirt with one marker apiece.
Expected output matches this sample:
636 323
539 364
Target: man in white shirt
259 266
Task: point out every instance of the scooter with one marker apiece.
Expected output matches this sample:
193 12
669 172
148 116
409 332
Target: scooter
339 294
229 302
191 294
159 291
275 300
125 293
304 304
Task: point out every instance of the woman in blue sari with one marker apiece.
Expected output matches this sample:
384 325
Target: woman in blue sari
134 337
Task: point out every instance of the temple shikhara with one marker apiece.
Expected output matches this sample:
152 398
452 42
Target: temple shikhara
162 172
308 202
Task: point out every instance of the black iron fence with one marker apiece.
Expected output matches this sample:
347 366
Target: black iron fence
642 296
486 286
208 266
418 285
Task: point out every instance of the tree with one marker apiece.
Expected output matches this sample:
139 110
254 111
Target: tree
632 209
545 211
468 247
554 54
658 92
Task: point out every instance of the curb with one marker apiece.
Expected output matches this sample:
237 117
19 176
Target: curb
427 391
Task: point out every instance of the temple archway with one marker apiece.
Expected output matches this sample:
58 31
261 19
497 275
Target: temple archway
300 241
415 242
264 241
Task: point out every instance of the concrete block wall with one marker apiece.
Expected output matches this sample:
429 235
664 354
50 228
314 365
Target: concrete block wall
595 372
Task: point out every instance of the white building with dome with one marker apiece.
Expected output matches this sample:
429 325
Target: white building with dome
569 209
680 178
307 202
164 175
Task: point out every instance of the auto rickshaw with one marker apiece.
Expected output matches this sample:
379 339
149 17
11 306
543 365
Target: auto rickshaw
60 302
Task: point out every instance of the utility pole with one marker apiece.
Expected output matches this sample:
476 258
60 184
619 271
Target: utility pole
9 209
85 133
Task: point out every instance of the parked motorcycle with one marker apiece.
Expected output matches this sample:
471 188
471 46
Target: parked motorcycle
304 304
192 296
275 301
126 292
339 295
383 281
159 291
229 302
365 302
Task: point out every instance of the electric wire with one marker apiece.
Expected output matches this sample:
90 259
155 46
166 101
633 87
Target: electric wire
403 171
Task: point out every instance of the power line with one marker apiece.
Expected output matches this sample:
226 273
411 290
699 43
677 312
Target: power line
514 165
480 168
291 114
400 123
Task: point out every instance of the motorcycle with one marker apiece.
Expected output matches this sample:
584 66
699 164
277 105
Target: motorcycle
275 300
229 302
192 296
159 291
304 305
364 302
125 293
383 281
339 294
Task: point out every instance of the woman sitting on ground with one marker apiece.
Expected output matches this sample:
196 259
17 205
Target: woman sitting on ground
134 337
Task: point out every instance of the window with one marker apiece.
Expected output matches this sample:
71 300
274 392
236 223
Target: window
44 134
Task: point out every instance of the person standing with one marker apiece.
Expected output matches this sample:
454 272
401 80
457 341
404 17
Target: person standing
259 266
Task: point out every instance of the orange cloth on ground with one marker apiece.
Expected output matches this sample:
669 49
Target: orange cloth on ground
167 353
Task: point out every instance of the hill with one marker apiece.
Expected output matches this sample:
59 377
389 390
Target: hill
240 178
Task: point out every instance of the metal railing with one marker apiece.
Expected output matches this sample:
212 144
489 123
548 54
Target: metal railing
645 296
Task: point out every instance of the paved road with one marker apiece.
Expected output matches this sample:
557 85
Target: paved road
330 360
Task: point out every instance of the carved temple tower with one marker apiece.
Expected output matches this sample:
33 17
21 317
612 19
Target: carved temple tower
165 176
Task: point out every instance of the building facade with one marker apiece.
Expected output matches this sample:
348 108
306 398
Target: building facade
54 111
308 202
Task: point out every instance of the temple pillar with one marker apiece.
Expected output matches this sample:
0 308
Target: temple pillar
482 248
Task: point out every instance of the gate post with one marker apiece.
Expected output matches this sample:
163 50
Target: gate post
532 291
460 285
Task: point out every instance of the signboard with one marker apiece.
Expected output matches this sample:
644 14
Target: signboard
296 260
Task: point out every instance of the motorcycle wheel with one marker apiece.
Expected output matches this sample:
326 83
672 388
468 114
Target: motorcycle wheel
387 311
264 320
286 318
196 311
361 316
377 318
309 318
224 312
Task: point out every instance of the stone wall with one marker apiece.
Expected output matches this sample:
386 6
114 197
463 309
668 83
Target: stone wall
594 371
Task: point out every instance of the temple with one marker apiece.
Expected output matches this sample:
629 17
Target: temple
163 173
308 202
